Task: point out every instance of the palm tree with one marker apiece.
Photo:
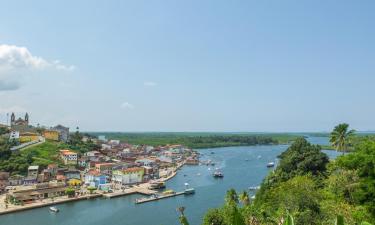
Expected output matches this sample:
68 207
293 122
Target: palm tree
244 198
182 217
231 196
341 137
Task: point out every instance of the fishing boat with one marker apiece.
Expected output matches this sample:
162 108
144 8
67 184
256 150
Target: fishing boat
270 164
53 209
218 174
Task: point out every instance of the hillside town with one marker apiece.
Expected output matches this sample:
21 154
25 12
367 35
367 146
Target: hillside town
113 167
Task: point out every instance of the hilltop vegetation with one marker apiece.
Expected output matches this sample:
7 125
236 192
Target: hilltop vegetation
42 154
200 140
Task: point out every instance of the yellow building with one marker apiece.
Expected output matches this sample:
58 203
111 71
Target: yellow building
75 182
51 135
28 136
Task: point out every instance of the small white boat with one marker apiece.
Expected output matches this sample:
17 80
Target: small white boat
218 174
259 156
270 164
189 191
53 209
198 174
254 188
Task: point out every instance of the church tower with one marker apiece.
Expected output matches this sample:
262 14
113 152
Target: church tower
27 119
12 119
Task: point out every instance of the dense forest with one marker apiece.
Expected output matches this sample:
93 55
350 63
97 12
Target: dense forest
308 187
200 140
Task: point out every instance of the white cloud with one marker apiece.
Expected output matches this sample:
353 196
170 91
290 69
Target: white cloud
126 105
150 84
13 57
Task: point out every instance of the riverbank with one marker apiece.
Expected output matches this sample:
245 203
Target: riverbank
143 189
44 203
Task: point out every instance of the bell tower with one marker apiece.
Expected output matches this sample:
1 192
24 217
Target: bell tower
12 119
27 119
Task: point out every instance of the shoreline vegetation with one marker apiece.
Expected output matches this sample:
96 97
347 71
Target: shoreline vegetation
197 140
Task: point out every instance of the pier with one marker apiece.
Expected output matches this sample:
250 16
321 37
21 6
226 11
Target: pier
144 200
143 191
155 197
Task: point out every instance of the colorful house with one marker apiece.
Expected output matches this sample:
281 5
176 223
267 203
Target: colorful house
128 176
95 179
104 167
28 137
51 135
69 157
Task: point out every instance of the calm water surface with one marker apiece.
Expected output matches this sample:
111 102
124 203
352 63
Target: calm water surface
241 167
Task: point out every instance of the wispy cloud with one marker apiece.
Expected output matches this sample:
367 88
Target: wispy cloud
150 84
126 105
13 57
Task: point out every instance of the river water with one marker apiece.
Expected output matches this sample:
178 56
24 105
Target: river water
242 167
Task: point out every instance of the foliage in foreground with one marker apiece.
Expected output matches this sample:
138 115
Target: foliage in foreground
308 189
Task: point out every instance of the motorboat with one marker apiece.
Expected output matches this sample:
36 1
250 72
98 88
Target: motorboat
218 174
270 164
53 209
189 191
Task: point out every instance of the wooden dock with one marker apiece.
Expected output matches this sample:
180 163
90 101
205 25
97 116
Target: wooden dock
144 200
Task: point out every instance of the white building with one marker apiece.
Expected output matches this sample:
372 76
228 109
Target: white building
106 147
14 135
128 176
114 142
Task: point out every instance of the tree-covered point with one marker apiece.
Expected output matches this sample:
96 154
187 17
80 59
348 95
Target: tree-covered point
201 139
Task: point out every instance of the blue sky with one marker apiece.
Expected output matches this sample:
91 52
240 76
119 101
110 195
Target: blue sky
189 65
